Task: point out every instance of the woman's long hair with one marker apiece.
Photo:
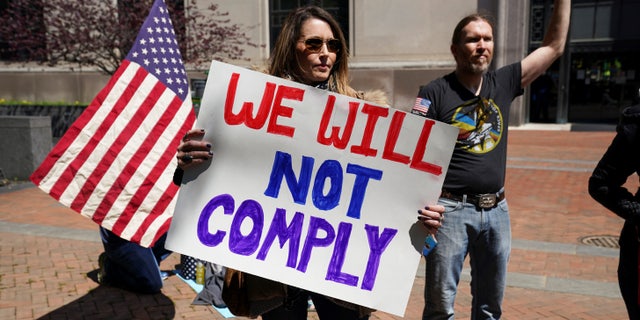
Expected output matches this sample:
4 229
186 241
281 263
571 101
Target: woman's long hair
284 62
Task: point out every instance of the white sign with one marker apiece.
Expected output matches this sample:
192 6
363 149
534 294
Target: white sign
311 188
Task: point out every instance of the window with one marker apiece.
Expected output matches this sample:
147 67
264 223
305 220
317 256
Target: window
592 20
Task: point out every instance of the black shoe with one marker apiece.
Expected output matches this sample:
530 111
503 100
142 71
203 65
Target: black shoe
101 272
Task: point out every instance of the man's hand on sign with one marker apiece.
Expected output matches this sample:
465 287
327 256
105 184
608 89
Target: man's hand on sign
193 151
431 217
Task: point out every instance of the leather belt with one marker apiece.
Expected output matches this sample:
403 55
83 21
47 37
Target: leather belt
484 200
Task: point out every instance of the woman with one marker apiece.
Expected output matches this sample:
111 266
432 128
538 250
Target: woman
606 186
311 49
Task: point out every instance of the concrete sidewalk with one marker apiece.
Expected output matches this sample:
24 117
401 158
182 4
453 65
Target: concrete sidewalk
49 253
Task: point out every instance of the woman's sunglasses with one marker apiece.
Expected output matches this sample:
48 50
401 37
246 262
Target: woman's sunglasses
315 45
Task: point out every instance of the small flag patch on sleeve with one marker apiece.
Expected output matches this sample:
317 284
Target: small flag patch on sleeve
421 106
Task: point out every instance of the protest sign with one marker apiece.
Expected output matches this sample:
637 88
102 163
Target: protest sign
311 188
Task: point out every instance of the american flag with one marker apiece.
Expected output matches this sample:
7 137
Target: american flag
115 164
421 106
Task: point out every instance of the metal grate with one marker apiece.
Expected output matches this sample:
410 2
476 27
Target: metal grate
537 23
601 241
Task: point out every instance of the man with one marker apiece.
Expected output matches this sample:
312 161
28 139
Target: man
476 219
130 266
607 186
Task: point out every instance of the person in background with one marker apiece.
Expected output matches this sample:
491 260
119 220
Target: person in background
606 185
311 49
476 219
130 266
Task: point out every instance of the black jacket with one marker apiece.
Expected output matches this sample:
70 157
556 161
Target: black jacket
620 161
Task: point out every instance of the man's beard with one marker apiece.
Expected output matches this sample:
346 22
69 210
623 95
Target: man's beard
477 68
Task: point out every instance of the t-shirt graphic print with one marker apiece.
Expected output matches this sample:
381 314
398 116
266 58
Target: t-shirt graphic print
481 125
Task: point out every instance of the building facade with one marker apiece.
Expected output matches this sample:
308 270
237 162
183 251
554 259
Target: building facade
396 46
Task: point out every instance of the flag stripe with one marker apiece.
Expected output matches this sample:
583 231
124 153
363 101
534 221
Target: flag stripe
117 187
143 173
125 141
75 141
104 134
169 191
163 124
115 149
44 171
83 147
161 205
160 223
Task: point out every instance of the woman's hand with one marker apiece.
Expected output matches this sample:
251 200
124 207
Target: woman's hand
193 151
432 217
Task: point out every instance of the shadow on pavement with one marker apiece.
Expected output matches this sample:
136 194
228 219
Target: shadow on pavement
106 302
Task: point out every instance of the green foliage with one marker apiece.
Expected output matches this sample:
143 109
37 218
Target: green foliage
4 102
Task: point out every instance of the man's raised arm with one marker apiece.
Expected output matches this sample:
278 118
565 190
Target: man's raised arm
552 46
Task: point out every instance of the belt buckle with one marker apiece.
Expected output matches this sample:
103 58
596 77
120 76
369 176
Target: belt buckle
487 200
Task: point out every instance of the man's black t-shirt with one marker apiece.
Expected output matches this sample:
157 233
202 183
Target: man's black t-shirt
479 159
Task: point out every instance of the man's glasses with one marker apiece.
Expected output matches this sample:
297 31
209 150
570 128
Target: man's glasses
315 45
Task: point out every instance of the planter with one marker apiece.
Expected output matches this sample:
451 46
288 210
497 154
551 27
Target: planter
62 116
25 141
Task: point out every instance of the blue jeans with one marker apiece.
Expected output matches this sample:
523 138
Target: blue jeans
484 234
131 266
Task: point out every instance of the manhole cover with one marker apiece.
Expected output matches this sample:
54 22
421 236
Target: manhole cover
601 241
